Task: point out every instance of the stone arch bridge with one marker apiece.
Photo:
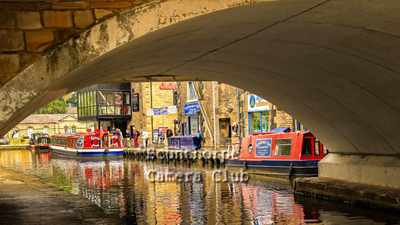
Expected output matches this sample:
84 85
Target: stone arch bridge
333 64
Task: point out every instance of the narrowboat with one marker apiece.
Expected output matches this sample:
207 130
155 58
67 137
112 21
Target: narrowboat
91 144
280 152
40 142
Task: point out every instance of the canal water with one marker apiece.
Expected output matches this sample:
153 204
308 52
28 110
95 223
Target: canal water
125 188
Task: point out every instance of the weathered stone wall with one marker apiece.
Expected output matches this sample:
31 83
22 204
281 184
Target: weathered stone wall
283 119
138 117
227 107
29 28
160 98
61 46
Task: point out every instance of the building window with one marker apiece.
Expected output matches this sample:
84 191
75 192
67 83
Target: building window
135 102
30 132
175 98
194 124
283 147
104 103
191 93
66 130
258 122
298 126
73 129
45 130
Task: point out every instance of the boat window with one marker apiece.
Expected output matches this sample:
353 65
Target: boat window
250 148
316 147
307 150
283 146
79 142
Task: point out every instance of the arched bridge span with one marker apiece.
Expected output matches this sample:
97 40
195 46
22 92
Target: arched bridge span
333 64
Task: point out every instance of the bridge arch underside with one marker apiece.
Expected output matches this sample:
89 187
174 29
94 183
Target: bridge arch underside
334 65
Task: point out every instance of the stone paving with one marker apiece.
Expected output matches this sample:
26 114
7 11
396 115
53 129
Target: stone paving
349 192
27 200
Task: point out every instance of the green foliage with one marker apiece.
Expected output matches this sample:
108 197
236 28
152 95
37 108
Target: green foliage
54 107
73 100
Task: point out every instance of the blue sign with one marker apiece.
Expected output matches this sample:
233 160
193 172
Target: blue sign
263 146
191 108
252 101
160 111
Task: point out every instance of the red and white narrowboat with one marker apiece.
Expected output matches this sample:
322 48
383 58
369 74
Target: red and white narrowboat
281 152
91 144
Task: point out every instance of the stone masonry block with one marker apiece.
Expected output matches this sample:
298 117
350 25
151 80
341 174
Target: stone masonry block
70 5
83 18
100 13
57 19
11 40
102 4
9 63
7 19
38 41
29 20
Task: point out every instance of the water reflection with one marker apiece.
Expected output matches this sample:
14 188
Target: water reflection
122 187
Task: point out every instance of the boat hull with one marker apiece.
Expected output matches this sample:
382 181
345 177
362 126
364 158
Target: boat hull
89 153
40 148
300 168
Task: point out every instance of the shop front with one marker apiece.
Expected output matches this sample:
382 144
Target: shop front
188 138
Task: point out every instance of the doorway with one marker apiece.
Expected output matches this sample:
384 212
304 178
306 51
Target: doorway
225 132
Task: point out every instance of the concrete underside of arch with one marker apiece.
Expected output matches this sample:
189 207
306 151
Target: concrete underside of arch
332 64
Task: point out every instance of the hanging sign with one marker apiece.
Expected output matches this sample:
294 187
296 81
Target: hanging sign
191 108
256 104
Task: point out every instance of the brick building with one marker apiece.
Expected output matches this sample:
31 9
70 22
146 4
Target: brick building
224 113
50 124
156 106
188 108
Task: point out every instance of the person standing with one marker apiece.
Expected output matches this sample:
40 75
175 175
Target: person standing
200 139
128 133
119 137
145 138
136 138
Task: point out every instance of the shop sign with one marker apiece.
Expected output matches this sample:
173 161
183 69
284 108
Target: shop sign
168 86
256 104
263 146
162 111
191 108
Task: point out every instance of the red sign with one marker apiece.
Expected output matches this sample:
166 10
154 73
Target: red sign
168 86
